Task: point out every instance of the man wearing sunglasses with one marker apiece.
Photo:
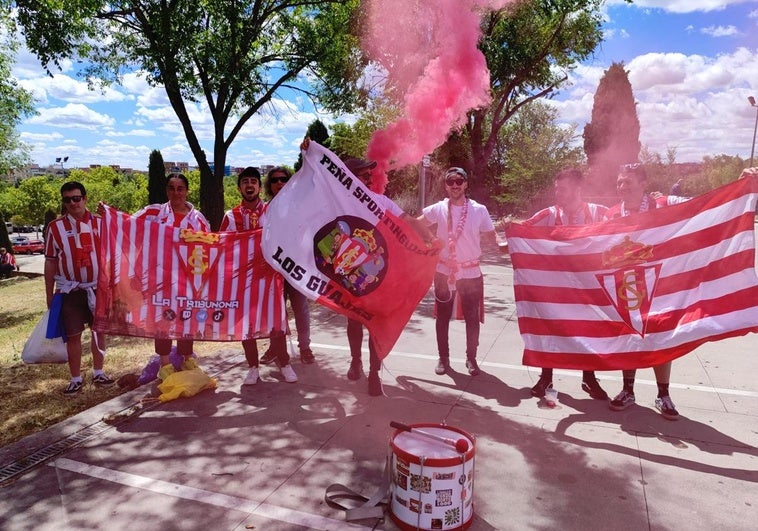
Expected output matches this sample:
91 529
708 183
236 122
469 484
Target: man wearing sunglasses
71 268
276 178
462 223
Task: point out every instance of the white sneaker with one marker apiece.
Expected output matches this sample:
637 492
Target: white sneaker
289 374
252 376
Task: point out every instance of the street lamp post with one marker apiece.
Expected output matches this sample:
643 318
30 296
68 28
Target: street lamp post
426 161
755 127
61 160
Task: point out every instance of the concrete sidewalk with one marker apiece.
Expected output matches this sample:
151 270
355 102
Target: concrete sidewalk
261 457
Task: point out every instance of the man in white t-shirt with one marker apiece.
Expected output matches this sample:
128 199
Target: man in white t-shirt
461 223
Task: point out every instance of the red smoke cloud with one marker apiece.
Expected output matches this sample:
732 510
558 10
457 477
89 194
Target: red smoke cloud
429 50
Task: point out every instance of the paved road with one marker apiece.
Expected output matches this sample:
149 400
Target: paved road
261 457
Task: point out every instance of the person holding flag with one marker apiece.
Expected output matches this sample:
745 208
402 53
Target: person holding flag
630 185
569 209
276 178
349 249
462 223
247 216
180 213
362 169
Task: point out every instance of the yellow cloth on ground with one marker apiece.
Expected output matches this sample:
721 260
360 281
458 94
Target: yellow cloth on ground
185 383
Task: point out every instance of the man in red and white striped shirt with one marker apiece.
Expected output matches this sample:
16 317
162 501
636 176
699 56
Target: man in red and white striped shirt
71 268
247 216
569 209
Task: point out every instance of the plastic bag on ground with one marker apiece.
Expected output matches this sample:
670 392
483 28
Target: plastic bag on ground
185 384
150 372
40 349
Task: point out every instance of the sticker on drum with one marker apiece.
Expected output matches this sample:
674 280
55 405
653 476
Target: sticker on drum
431 483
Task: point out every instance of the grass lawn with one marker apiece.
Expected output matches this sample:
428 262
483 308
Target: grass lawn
32 395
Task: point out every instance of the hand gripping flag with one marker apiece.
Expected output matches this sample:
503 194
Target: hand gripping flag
330 238
641 290
159 281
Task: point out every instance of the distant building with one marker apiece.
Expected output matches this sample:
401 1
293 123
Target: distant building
227 168
172 167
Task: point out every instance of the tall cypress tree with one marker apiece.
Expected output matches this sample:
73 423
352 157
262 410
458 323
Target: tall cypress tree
317 132
612 138
156 183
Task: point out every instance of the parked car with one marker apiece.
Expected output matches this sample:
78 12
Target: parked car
23 228
24 245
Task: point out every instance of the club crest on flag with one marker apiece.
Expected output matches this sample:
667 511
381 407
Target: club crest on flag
198 255
350 251
630 288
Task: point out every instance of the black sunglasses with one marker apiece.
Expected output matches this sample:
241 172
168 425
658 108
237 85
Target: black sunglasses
273 180
74 198
459 181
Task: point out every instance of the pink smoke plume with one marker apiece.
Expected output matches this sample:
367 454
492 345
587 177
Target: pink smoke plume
429 51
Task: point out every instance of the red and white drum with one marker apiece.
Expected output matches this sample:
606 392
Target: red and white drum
431 483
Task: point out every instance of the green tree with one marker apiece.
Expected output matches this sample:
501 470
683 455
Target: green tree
317 132
234 56
530 47
612 137
127 193
722 169
35 196
352 140
156 182
15 102
231 192
531 151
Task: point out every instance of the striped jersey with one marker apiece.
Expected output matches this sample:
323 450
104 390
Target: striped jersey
163 213
557 216
74 246
243 218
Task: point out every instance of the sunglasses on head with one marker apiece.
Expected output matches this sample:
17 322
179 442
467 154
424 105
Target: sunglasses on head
458 181
74 198
274 180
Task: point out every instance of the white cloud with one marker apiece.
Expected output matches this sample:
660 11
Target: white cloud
65 88
73 115
683 6
720 31
695 103
133 132
40 137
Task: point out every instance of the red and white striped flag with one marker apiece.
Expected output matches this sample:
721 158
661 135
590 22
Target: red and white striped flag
640 290
159 281
333 240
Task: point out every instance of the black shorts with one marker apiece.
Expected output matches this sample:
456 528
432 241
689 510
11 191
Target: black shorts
75 312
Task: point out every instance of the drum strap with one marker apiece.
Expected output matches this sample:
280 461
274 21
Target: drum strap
372 507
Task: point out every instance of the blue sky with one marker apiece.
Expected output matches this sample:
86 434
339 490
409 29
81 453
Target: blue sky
692 65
